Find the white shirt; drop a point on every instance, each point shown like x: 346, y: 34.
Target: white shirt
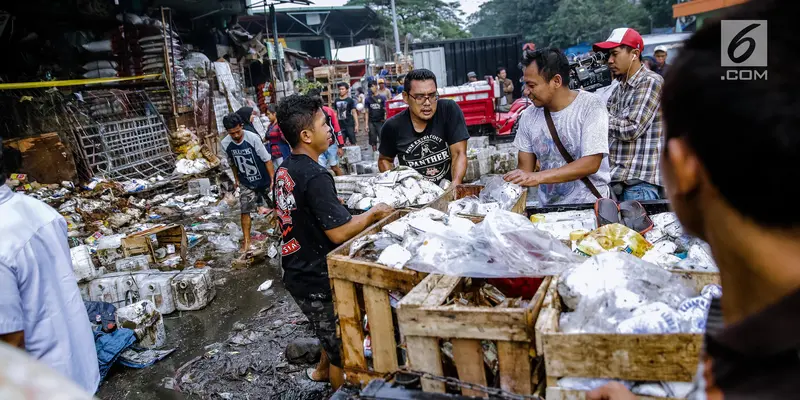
x: 583, y: 130
x: 38, y: 291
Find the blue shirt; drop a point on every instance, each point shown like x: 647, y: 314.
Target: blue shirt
x: 249, y: 157
x: 38, y: 291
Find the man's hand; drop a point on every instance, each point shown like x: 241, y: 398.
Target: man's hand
x: 382, y: 210
x: 611, y: 391
x: 339, y: 151
x: 522, y: 178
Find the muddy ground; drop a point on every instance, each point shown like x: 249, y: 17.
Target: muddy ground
x: 231, y: 349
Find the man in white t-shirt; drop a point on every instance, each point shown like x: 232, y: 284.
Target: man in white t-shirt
x: 581, y: 122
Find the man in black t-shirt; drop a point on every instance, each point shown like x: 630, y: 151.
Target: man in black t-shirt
x: 346, y: 113
x: 376, y: 108
x: 313, y: 222
x: 429, y: 136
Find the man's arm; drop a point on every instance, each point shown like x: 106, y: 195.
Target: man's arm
x: 358, y: 223
x: 387, y: 148
x: 573, y: 171
x: 11, y: 318
x: 355, y: 117
x: 235, y: 174
x: 509, y: 86
x: 458, y: 153
x: 631, y: 123
x: 271, y: 172
x: 526, y: 162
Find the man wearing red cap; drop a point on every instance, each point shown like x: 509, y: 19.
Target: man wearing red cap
x: 634, y: 123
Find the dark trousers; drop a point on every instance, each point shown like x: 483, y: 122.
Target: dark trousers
x: 374, y: 132
x: 349, y: 133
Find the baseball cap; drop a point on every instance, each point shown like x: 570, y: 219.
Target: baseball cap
x: 619, y: 37
x: 381, y: 81
x: 471, y: 73
x: 660, y: 48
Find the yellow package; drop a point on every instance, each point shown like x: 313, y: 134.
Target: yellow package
x: 614, y: 237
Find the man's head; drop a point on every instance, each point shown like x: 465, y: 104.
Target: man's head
x: 472, y: 76
x: 303, y: 123
x: 546, y: 73
x: 315, y: 93
x: 732, y: 147
x: 343, y: 89
x: 660, y: 55
x: 501, y: 73
x: 373, y: 88
x: 382, y: 84
x: 624, y: 48
x: 420, y: 93
x: 233, y: 124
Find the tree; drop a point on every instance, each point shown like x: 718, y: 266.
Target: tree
x: 424, y: 19
x: 500, y: 17
x: 577, y: 21
x: 660, y: 11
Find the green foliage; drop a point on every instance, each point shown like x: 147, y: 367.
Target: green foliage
x: 303, y: 85
x: 661, y: 11
x: 562, y: 23
x: 424, y: 19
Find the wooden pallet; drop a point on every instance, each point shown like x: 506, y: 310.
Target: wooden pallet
x: 352, y: 280
x: 425, y: 320
x: 466, y: 190
x: 648, y: 357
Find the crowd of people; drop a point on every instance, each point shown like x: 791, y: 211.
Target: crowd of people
x: 572, y: 145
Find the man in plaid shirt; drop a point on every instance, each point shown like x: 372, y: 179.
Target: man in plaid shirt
x: 634, y: 123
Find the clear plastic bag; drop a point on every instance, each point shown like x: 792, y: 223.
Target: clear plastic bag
x: 504, y: 245
x: 500, y: 191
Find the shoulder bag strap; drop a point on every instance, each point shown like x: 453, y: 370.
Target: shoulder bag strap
x: 567, y: 157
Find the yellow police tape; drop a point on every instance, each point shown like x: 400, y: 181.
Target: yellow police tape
x: 72, y: 82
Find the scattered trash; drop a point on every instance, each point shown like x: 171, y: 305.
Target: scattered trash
x: 265, y: 286
x: 145, y: 320
x: 193, y: 289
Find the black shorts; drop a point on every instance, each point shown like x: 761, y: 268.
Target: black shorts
x: 318, y: 308
x: 374, y: 132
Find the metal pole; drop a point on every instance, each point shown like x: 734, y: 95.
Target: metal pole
x: 396, y: 34
x: 278, y: 62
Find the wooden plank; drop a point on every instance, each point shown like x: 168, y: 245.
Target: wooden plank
x: 344, y: 248
x: 547, y: 321
x: 515, y: 367
x: 468, y: 357
x: 359, y: 377
x: 367, y: 273
x: 659, y: 357
x: 350, y: 324
x: 698, y: 280
x: 557, y: 393
x: 419, y: 293
x: 424, y: 355
x: 535, y: 307
x: 465, y: 323
x: 443, y: 288
x: 381, y: 325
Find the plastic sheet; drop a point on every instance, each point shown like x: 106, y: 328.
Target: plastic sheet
x: 502, y: 192
x: 504, y: 245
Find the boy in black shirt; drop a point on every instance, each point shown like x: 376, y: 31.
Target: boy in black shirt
x: 429, y: 136
x: 346, y: 113
x: 313, y: 222
x: 376, y: 109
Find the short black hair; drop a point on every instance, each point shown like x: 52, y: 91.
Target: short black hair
x: 313, y: 92
x: 343, y: 84
x: 630, y: 49
x: 500, y: 69
x: 296, y: 113
x: 371, y: 84
x: 418, y: 75
x: 730, y: 122
x: 232, y: 120
x: 550, y: 62
x: 272, y: 108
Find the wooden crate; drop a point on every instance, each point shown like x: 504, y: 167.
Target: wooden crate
x: 139, y: 243
x: 425, y: 320
x: 352, y: 279
x: 647, y: 357
x: 466, y: 190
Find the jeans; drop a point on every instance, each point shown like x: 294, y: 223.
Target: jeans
x: 640, y: 191
x: 349, y: 133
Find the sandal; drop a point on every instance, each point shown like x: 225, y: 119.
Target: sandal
x: 634, y: 216
x: 310, y: 374
x: 606, y: 211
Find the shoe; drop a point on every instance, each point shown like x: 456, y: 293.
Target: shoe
x: 607, y: 212
x: 634, y: 216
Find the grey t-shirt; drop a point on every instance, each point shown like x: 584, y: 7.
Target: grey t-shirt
x: 583, y: 129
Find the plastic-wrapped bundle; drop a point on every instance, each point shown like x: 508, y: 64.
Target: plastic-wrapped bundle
x: 504, y: 245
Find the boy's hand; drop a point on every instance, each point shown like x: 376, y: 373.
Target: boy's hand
x: 382, y: 210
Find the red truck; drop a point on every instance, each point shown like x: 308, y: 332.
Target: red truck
x: 478, y: 106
